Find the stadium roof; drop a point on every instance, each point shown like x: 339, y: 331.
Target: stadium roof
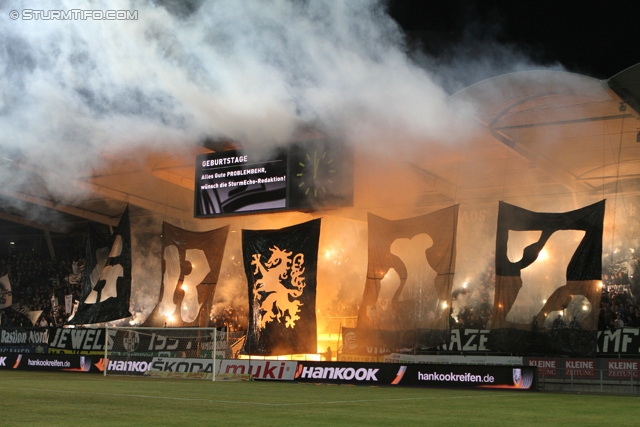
x: 561, y: 133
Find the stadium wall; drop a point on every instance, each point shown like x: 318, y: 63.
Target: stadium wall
x: 622, y: 343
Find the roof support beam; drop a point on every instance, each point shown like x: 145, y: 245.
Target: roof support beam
x: 174, y: 178
x: 52, y: 251
x: 134, y: 200
x: 82, y: 213
x: 440, y: 185
x: 563, y: 177
x: 566, y: 122
x: 22, y: 221
x: 104, y: 192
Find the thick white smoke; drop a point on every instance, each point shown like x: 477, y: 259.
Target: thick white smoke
x: 250, y: 71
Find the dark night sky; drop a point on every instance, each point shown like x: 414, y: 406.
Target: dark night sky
x: 595, y: 38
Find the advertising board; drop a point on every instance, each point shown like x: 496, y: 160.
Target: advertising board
x: 260, y: 369
x: 52, y: 362
x: 620, y: 368
x: 458, y: 376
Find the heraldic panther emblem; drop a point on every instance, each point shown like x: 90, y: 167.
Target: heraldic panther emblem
x: 276, y: 300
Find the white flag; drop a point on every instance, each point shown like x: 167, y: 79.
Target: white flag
x: 34, y: 316
x: 68, y: 303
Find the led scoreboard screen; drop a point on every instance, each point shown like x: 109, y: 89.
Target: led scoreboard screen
x: 302, y: 176
x: 232, y: 182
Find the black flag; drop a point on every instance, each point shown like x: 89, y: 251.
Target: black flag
x: 417, y: 320
x: 191, y: 263
x: 583, y: 279
x: 106, y: 287
x: 281, y: 268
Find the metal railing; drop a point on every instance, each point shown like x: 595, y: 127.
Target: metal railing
x: 604, y: 381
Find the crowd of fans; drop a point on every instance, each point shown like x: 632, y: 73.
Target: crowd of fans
x: 474, y: 302
x: 230, y: 318
x: 472, y: 305
x: 620, y: 300
x: 40, y: 284
x: 342, y: 307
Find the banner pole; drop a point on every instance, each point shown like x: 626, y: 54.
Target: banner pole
x: 106, y: 346
x: 338, y: 343
x: 213, y: 353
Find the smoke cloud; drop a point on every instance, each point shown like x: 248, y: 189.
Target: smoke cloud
x: 244, y: 70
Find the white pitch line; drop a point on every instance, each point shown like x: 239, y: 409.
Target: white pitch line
x: 328, y: 402
x: 334, y: 402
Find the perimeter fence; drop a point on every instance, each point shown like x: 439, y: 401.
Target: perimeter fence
x: 603, y: 381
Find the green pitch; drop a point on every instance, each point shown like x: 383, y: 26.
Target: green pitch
x: 68, y: 399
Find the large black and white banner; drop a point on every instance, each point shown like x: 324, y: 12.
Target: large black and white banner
x: 619, y: 341
x: 520, y: 321
x: 190, y: 270
x: 418, y: 312
x: 124, y: 342
x: 23, y: 340
x: 281, y: 270
x: 79, y: 340
x: 623, y: 341
x: 106, y: 287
